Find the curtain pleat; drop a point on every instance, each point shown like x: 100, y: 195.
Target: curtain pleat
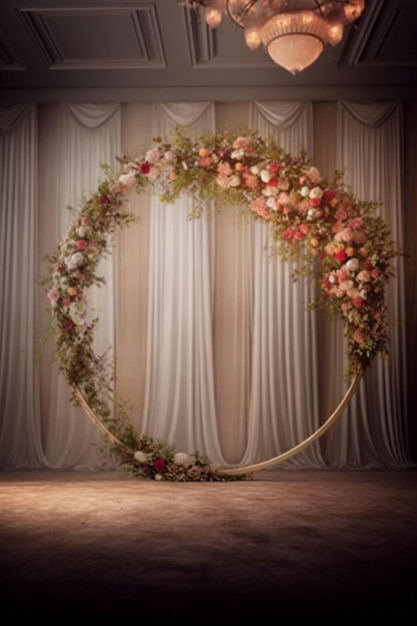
x: 86, y: 136
x: 284, y: 407
x: 374, y: 431
x: 179, y: 395
x: 20, y: 426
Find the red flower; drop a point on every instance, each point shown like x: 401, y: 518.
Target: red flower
x: 329, y: 195
x: 144, y: 167
x: 82, y: 244
x: 274, y: 167
x: 104, y: 199
x: 341, y: 256
x: 68, y: 325
x: 357, y: 302
x: 159, y: 465
x: 315, y: 201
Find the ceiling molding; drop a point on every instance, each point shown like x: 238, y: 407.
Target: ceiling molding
x: 96, y: 38
x: 143, y: 51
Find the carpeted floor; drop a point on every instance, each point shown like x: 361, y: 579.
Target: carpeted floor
x: 289, y: 544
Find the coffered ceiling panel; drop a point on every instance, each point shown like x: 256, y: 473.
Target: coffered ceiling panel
x: 95, y: 38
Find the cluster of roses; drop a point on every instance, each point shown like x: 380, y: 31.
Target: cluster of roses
x: 158, y: 461
x: 291, y: 195
x: 73, y: 271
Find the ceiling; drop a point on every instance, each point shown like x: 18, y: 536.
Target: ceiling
x: 136, y: 51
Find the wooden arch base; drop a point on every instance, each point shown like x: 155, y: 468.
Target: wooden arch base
x: 247, y: 469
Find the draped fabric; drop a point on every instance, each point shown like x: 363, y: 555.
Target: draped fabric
x: 374, y: 429
x: 179, y: 395
x: 219, y: 348
x: 86, y: 136
x: 284, y: 406
x: 20, y: 425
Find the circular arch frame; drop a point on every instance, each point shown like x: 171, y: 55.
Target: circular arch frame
x: 311, y: 219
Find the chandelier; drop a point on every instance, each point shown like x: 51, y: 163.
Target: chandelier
x: 294, y: 32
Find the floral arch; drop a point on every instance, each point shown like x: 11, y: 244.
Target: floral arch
x: 336, y: 239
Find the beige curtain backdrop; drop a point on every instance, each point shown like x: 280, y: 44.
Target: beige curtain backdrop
x: 37, y: 431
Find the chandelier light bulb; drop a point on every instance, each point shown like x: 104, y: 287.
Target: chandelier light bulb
x: 213, y: 16
x: 252, y: 37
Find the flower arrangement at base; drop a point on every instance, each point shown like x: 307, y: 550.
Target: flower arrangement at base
x: 337, y: 240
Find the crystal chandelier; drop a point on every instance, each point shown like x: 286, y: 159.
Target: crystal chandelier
x: 294, y: 32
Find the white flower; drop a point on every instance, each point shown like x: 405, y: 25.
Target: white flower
x: 127, y: 180
x: 158, y: 477
x: 304, y: 191
x: 254, y: 170
x: 316, y: 192
x: 237, y: 154
x: 311, y: 214
x: 77, y: 310
x: 82, y: 231
x: 74, y: 261
x: 266, y: 176
x: 182, y: 458
x: 141, y: 456
x: 168, y: 156
x: 233, y: 181
x: 352, y: 265
x: 153, y: 155
x: 77, y: 319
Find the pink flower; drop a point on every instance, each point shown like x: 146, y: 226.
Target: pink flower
x: 341, y: 214
x: 356, y: 222
x: 258, y: 206
x: 375, y: 272
x: 240, y: 142
x: 82, y: 244
x: 357, y: 302
x: 358, y: 336
x: 346, y: 234
x: 224, y: 168
x: 364, y: 276
x: 205, y: 161
x: 359, y: 237
x: 284, y: 184
x: 251, y: 181
x: 85, y: 221
x: 274, y: 166
x: 313, y: 174
x: 53, y: 294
